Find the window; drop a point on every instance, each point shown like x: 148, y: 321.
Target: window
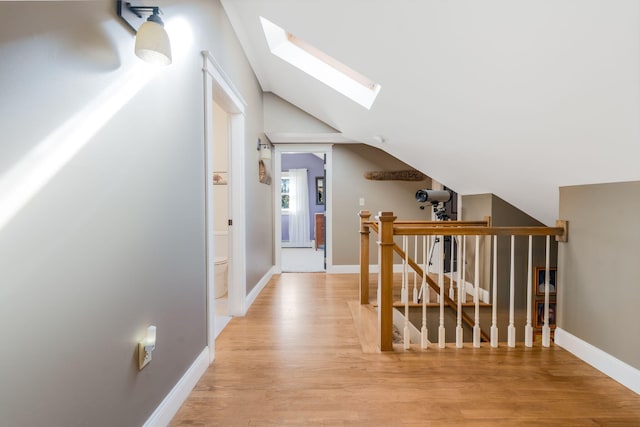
x: 319, y: 65
x: 284, y: 191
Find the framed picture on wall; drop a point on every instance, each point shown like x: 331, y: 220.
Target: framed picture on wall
x: 319, y: 190
x: 540, y: 314
x: 540, y: 282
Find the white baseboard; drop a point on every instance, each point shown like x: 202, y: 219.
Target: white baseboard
x: 297, y: 245
x: 173, y: 401
x: 257, y: 289
x: 343, y: 269
x: 623, y: 373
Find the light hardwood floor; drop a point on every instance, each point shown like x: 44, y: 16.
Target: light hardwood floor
x: 296, y: 360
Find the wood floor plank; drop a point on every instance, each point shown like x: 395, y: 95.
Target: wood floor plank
x: 296, y: 359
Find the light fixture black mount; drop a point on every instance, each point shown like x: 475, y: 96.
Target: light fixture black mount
x: 152, y: 42
x: 133, y: 17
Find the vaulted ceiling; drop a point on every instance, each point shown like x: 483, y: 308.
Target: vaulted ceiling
x: 515, y: 98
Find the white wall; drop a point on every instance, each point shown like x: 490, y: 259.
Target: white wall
x: 281, y: 116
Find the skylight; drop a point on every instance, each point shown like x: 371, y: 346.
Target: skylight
x: 319, y: 65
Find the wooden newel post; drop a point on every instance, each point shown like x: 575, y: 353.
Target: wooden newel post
x: 364, y: 256
x: 385, y: 279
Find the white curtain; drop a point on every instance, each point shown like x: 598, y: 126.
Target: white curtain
x: 298, y: 209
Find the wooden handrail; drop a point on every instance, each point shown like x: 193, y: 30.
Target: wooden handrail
x: 387, y: 226
x: 435, y: 223
x: 478, y: 231
x: 470, y: 228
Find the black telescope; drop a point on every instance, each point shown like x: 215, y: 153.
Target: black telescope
x: 433, y: 196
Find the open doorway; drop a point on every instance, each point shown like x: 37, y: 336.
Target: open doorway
x: 302, y: 216
x: 221, y: 216
x: 229, y: 113
x: 302, y: 210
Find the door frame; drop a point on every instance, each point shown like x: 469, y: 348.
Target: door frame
x: 327, y: 150
x: 218, y: 87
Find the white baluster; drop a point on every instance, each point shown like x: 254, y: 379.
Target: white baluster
x: 424, y: 333
x: 441, y: 331
x: 528, y: 329
x: 415, y: 274
x: 403, y: 292
x: 476, y: 296
x: 546, y: 330
x: 463, y: 265
x: 379, y: 290
x: 459, y: 330
x: 494, y: 308
x: 420, y: 290
x: 427, y: 295
x: 511, y: 339
x: 452, y: 291
x: 407, y: 332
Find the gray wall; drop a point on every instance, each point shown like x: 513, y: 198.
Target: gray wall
x: 598, y: 276
x: 350, y: 162
x: 476, y: 207
x: 114, y: 241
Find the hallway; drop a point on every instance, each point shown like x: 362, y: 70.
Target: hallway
x: 299, y: 260
x: 295, y: 360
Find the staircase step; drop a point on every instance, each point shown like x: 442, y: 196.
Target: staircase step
x: 365, y: 319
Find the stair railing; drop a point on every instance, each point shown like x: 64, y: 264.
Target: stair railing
x: 387, y: 226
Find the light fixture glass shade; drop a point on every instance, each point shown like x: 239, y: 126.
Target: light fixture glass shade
x: 265, y: 152
x: 152, y: 44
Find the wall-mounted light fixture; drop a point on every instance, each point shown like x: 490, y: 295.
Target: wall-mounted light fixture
x: 152, y: 41
x: 146, y: 347
x: 265, y: 149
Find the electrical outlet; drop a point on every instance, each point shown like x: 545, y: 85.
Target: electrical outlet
x: 146, y: 347
x: 144, y: 355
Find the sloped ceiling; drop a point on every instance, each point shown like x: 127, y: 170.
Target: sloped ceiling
x: 515, y: 98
